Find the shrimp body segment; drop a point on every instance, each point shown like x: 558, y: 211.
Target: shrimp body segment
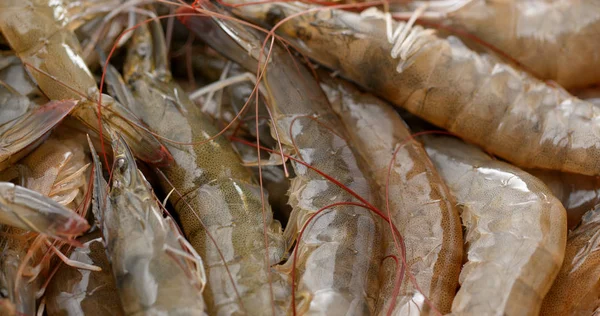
x: 145, y: 249
x: 578, y: 193
x: 338, y: 256
x: 576, y: 290
x: 217, y: 199
x: 555, y: 39
x: 515, y: 231
x: 504, y: 111
x: 421, y: 205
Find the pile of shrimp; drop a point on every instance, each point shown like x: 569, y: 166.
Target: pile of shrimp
x: 234, y: 157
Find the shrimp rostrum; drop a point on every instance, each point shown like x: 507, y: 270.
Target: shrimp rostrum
x: 506, y: 112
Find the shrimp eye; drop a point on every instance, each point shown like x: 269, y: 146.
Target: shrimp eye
x: 143, y: 50
x: 3, y: 293
x: 303, y: 34
x: 121, y: 164
x: 274, y: 15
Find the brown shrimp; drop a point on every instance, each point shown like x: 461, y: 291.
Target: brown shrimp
x: 515, y: 230
x: 576, y: 290
x: 338, y: 255
x: 421, y: 205
x: 508, y: 113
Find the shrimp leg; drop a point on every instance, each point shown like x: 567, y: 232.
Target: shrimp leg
x: 99, y: 291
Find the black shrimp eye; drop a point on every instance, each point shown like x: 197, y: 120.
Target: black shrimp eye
x: 3, y: 293
x: 303, y: 34
x: 274, y: 15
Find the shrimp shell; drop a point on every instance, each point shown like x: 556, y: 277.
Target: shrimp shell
x: 515, y: 231
x: 421, y: 205
x: 506, y: 112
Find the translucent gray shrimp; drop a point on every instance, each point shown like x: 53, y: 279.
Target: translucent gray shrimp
x: 38, y: 32
x: 555, y: 39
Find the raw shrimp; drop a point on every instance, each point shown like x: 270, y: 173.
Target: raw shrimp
x: 555, y: 39
x: 37, y: 33
x: 153, y: 270
x: 578, y: 193
x: 576, y: 290
x: 338, y: 256
x: 515, y: 231
x: 217, y: 199
x: 508, y: 113
x: 75, y: 291
x: 421, y: 206
x: 57, y: 172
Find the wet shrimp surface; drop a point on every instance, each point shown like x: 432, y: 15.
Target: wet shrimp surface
x: 353, y: 157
